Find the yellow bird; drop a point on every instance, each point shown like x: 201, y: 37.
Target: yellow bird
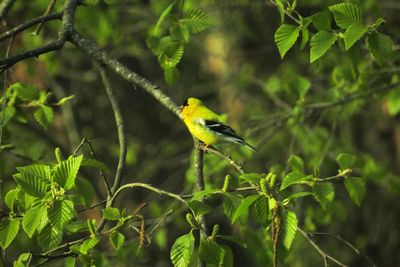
x: 206, y: 126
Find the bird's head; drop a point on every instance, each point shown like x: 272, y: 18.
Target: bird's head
x: 189, y: 105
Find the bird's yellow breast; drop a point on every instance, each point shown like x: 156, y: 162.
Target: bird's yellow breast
x: 201, y: 133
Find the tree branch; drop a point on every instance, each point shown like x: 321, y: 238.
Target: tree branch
x: 5, y: 6
x: 120, y: 127
x: 14, y: 31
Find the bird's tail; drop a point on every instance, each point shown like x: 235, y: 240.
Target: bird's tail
x: 244, y: 143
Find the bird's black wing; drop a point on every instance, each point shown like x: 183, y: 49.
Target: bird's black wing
x: 223, y: 130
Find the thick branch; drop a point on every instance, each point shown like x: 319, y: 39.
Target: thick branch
x: 14, y: 31
x: 90, y: 48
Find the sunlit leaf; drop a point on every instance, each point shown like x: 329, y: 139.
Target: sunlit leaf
x: 182, y: 250
x: 346, y: 14
x: 9, y: 228
x: 353, y: 33
x: 285, y: 37
x: 320, y: 44
x: 356, y: 188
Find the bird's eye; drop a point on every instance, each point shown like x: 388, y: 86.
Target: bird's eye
x: 184, y: 104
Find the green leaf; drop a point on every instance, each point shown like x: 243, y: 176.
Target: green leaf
x: 204, y: 193
x: 320, y: 44
x: 199, y: 208
x: 289, y: 228
x: 356, y: 188
x: 9, y: 113
x: 250, y: 177
x: 76, y: 227
x: 156, y: 30
x: 65, y: 172
x: 244, y: 207
x: 353, y: 33
x: 44, y: 115
x: 117, y: 240
x: 171, y: 76
x: 227, y: 256
x: 97, y: 164
x: 393, y: 102
x: 196, y: 20
x: 346, y: 161
x: 11, y: 196
x: 262, y: 210
x: 35, y: 219
x: 70, y: 262
x: 346, y: 14
x: 281, y: 9
x: 182, y: 250
x: 23, y: 260
x: 321, y: 21
x: 285, y: 37
x: 210, y: 252
x: 25, y: 92
x: 111, y: 214
x: 293, y: 178
x: 85, y: 246
x: 50, y: 237
x: 33, y: 185
x: 323, y: 193
x: 233, y: 239
x: 305, y: 35
x: 64, y: 100
x: 231, y: 203
x: 9, y: 228
x: 296, y: 163
x: 380, y: 45
x: 38, y: 170
x: 61, y: 213
x: 171, y: 55
x: 298, y: 194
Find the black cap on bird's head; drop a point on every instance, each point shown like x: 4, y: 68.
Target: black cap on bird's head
x: 184, y: 104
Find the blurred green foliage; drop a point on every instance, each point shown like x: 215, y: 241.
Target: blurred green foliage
x: 313, y: 85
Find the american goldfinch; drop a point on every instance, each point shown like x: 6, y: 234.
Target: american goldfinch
x: 206, y: 126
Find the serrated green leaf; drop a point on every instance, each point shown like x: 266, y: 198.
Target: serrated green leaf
x: 171, y: 56
x: 95, y: 164
x: 76, y: 227
x: 11, y: 196
x: 65, y: 172
x: 38, y: 170
x: 61, y: 213
x: 25, y: 92
x: 182, y: 250
x: 50, y: 237
x: 353, y: 33
x: 196, y: 20
x: 262, y: 210
x: 9, y: 228
x: 111, y: 214
x: 356, y: 188
x: 199, y: 208
x: 285, y: 37
x: 346, y: 14
x: 293, y: 178
x: 210, y: 252
x: 321, y: 21
x: 31, y: 184
x: 320, y: 44
x: 289, y: 228
x: 35, y: 219
x: 298, y: 194
x: 380, y: 45
x: 296, y: 163
x: 44, y: 115
x: 243, y: 208
x: 86, y: 245
x: 346, y: 161
x: 230, y: 204
x: 323, y: 193
x: 250, y: 177
x: 117, y: 240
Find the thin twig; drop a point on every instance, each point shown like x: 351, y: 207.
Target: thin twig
x: 323, y: 254
x: 238, y: 168
x: 120, y: 127
x: 104, y: 201
x: 14, y: 31
x: 347, y: 243
x: 5, y: 6
x: 3, y: 94
x: 48, y: 9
